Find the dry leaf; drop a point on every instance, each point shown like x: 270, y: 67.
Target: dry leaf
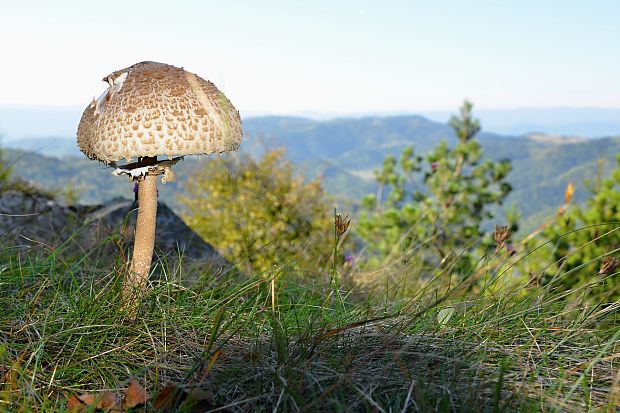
x: 169, y: 398
x: 107, y: 401
x: 75, y: 405
x: 87, y: 398
x: 135, y: 395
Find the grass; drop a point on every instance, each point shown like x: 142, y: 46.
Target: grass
x: 283, y: 342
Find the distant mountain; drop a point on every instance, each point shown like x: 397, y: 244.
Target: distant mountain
x: 52, y: 146
x: 586, y: 122
x: 345, y: 152
x: 20, y: 122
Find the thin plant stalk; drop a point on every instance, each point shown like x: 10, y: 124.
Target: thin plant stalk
x: 334, y: 269
x: 273, y: 294
x: 340, y: 227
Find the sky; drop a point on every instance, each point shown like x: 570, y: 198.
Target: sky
x: 339, y: 57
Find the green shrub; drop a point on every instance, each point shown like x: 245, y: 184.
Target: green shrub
x: 259, y: 211
x: 584, y: 242
x: 430, y: 210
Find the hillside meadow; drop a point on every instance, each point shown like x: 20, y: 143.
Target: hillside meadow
x: 316, y: 313
x: 284, y: 340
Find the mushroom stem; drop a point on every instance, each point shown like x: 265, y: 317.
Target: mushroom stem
x: 144, y: 240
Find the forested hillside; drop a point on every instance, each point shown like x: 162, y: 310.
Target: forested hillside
x: 345, y: 153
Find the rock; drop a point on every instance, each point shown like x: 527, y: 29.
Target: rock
x: 28, y: 215
x: 30, y: 221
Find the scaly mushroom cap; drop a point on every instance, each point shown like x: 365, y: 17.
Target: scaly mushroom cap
x: 154, y: 109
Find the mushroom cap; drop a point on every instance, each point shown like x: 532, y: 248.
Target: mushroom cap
x: 155, y: 109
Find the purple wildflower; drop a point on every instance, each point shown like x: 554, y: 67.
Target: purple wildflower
x: 135, y: 190
x: 511, y: 249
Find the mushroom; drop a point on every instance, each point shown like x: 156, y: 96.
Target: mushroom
x: 153, y: 109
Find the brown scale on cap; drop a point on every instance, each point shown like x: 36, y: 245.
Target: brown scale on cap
x: 154, y: 109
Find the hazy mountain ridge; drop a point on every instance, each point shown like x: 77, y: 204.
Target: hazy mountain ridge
x: 344, y: 152
x: 542, y: 166
x: 19, y: 122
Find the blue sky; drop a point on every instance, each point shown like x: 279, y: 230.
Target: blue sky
x: 342, y: 57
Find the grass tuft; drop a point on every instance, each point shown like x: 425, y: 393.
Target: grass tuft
x: 277, y: 342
